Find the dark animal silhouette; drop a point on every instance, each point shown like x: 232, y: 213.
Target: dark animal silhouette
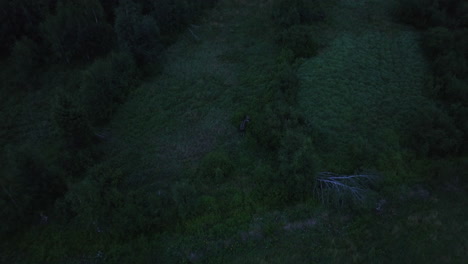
x: 243, y: 124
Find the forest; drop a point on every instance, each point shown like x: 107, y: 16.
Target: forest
x: 233, y: 131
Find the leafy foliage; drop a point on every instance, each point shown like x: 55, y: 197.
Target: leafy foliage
x: 174, y: 15
x: 20, y: 19
x: 28, y: 189
x: 106, y: 83
x: 291, y: 19
x: 299, y: 40
x: 435, y: 134
x: 136, y: 33
x: 297, y: 12
x: 216, y: 166
x: 297, y: 166
x: 25, y: 64
x: 78, y: 31
x: 71, y: 122
x: 430, y: 13
x: 444, y: 42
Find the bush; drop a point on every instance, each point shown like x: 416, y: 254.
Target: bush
x: 414, y: 12
x: 216, y: 165
x: 423, y: 14
x: 184, y: 195
x: 268, y: 125
x: 297, y: 12
x: 266, y: 128
x: 25, y: 61
x: 297, y: 165
x: 437, y: 41
x: 103, y: 203
x: 444, y: 42
x: 20, y: 19
x: 434, y: 133
x: 29, y: 188
x: 72, y: 123
x: 456, y: 90
x: 173, y: 15
x: 78, y: 31
x: 137, y: 33
x: 287, y: 82
x: 299, y: 40
x: 106, y: 83
x: 94, y: 200
x: 450, y: 64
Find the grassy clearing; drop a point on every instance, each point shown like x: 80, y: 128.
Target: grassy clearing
x: 361, y: 91
x: 358, y: 96
x: 186, y: 111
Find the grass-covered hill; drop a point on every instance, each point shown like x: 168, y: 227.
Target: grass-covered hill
x: 121, y: 141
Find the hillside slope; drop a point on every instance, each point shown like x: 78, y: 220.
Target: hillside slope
x: 365, y: 88
x: 183, y: 113
x: 177, y: 182
x: 359, y: 95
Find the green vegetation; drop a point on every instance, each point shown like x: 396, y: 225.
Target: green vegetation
x: 444, y: 40
x: 121, y: 139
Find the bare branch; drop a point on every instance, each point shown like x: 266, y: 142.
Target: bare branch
x: 334, y: 186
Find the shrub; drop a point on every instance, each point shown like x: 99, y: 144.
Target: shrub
x: 444, y: 42
x: 286, y: 56
x: 456, y: 90
x: 25, y: 61
x: 434, y: 134
x: 414, y: 12
x: 207, y: 204
x: 72, y: 123
x: 267, y: 190
x: 137, y: 33
x: 287, y: 82
x: 266, y: 128
x: 450, y: 63
x: 95, y: 200
x: 216, y: 165
x: 297, y: 12
x: 184, y: 195
x: 437, y: 41
x: 78, y: 30
x: 429, y: 13
x: 286, y: 13
x: 297, y: 165
x: 299, y: 40
x: 30, y: 187
x: 20, y: 18
x: 106, y: 83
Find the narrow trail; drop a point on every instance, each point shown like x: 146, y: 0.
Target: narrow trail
x: 359, y: 91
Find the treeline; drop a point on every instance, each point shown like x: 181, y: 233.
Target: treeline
x: 85, y: 57
x: 74, y: 33
x: 442, y: 132
x: 83, y: 30
x: 291, y: 19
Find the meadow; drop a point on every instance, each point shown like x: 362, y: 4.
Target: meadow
x: 355, y: 151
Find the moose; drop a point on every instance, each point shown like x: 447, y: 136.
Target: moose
x: 243, y: 124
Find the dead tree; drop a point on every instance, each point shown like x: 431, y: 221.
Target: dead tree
x: 340, y: 188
